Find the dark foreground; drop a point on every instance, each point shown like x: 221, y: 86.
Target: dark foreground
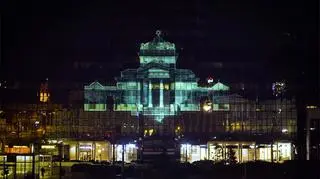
x: 200, y: 170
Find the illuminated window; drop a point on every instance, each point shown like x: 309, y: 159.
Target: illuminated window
x: 44, y: 97
x: 94, y: 107
x: 221, y: 107
x: 155, y: 86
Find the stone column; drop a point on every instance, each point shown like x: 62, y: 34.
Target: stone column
x: 150, y: 95
x: 161, y: 94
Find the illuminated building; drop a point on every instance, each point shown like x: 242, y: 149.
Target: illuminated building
x: 159, y: 100
x: 169, y: 98
x: 44, y: 93
x: 157, y: 88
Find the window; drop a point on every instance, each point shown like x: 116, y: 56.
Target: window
x: 166, y: 86
x: 92, y: 106
x: 221, y: 107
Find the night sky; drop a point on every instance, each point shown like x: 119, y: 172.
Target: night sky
x: 41, y: 39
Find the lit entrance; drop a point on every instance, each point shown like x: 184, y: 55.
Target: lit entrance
x: 85, y: 156
x: 85, y: 152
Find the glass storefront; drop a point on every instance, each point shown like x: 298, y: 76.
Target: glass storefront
x: 191, y: 153
x: 241, y: 151
x: 85, y: 151
x: 101, y: 151
x: 20, y: 164
x: 89, y: 150
x: 130, y: 152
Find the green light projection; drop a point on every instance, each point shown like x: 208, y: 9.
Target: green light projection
x: 157, y: 88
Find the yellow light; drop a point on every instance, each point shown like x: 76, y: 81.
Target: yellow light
x: 16, y: 146
x: 150, y: 132
x: 206, y: 108
x: 48, y: 147
x: 44, y: 97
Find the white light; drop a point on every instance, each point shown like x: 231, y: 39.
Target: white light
x: 284, y: 130
x: 32, y: 148
x: 312, y: 129
x: 131, y: 146
x: 52, y: 141
x: 48, y: 146
x: 183, y: 146
x: 311, y: 107
x: 251, y: 146
x: 85, y: 147
x: 207, y: 107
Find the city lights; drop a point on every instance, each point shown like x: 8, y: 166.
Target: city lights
x: 158, y: 99
x: 311, y: 107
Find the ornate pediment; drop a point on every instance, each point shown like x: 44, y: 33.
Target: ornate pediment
x: 220, y: 87
x: 95, y: 85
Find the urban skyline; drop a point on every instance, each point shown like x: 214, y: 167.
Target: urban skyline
x: 140, y: 88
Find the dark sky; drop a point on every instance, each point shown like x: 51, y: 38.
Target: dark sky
x: 38, y: 37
